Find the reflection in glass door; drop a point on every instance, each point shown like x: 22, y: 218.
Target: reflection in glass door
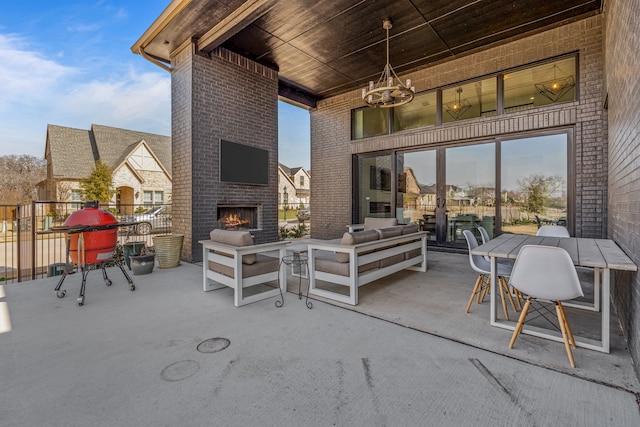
x: 374, y: 187
x: 470, y: 191
x: 417, y: 200
x: 534, y: 183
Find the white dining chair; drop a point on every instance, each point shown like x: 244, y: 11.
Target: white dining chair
x: 553, y: 231
x: 485, y: 238
x: 547, y: 273
x: 483, y: 282
x: 484, y: 234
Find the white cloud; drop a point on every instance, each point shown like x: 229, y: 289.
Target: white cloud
x: 37, y: 90
x: 24, y: 74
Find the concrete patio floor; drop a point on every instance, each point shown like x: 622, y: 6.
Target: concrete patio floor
x: 406, y: 355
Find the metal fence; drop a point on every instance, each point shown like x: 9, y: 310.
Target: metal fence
x: 31, y: 249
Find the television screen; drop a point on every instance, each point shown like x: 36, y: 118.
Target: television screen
x: 243, y: 164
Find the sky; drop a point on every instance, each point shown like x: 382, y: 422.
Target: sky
x: 69, y: 63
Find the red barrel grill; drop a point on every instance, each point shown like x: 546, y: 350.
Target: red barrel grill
x: 98, y: 245
x: 92, y: 236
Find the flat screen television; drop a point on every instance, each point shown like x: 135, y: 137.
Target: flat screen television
x: 243, y: 164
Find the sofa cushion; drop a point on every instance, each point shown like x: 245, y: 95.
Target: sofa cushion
x: 410, y: 228
x: 354, y: 239
x: 264, y: 264
x: 328, y: 265
x: 371, y: 223
x: 235, y: 238
x: 385, y: 233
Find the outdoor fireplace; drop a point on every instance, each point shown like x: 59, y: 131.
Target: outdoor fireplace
x: 237, y: 217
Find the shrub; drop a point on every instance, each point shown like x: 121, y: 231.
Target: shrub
x: 299, y: 231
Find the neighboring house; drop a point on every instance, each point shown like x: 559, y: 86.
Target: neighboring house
x: 293, y: 187
x: 140, y: 163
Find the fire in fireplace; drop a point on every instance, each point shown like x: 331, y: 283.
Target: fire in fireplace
x: 237, y: 217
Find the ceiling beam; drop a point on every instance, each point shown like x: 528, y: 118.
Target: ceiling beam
x: 296, y: 96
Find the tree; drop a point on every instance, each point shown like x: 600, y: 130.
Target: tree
x: 537, y: 190
x: 19, y: 176
x: 99, y: 185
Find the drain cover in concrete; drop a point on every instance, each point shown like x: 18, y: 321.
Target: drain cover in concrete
x: 180, y: 370
x: 213, y: 345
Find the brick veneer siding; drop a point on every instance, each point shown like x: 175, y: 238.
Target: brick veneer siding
x: 332, y: 148
x: 623, y: 68
x: 209, y: 104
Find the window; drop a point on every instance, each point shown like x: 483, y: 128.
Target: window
x: 301, y: 180
x: 476, y: 99
x: 370, y: 122
x: 544, y: 84
x: 151, y: 198
x: 76, y: 196
x: 420, y: 112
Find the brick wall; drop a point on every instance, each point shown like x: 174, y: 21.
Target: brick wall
x: 332, y: 148
x: 623, y: 67
x: 208, y: 105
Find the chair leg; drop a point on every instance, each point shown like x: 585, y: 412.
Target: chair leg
x: 563, y: 327
x: 523, y: 316
x: 486, y: 288
x: 477, y: 289
x: 504, y: 301
x: 566, y: 323
x: 505, y: 285
x: 519, y: 297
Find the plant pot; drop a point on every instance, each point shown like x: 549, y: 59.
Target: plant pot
x: 168, y: 248
x: 142, y: 264
x: 131, y: 249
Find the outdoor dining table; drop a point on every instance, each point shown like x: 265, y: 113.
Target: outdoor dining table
x: 603, y: 255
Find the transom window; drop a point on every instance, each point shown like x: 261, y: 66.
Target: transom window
x: 514, y: 90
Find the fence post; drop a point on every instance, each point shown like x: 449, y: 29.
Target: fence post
x: 18, y: 241
x: 34, y: 235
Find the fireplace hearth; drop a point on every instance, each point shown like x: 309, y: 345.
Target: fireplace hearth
x: 237, y: 217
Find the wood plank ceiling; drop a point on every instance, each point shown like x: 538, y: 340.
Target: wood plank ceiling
x: 324, y: 48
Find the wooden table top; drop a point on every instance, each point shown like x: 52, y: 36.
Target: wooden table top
x: 598, y: 253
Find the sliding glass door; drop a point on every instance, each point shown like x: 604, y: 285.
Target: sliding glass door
x: 503, y: 185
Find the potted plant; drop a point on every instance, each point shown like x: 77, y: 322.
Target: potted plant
x: 143, y: 263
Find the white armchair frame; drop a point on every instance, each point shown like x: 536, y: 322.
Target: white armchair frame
x: 231, y: 256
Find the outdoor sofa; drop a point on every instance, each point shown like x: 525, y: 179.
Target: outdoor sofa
x: 364, y: 256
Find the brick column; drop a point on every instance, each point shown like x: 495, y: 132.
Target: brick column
x: 224, y: 96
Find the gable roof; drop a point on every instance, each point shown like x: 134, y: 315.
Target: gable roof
x: 292, y: 171
x: 73, y: 152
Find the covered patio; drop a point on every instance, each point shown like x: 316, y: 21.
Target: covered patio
x: 320, y: 56
x: 406, y: 351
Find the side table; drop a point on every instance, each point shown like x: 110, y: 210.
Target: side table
x: 299, y: 261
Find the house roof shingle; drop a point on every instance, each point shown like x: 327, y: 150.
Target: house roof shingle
x: 75, y: 151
